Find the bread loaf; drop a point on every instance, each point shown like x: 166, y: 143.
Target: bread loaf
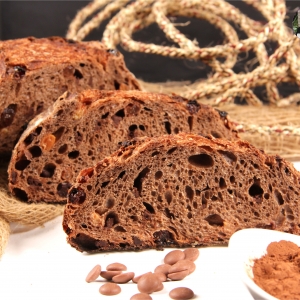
x: 179, y: 191
x: 81, y: 129
x: 35, y: 72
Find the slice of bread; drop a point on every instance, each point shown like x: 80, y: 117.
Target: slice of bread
x: 180, y: 191
x: 35, y: 72
x: 81, y: 129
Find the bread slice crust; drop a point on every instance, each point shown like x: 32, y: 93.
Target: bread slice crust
x: 35, y: 72
x: 180, y: 191
x: 81, y: 129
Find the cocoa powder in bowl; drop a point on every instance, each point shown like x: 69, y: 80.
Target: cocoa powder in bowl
x: 278, y: 272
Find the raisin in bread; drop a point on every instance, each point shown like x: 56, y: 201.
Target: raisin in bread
x: 81, y: 129
x: 180, y: 190
x: 35, y: 72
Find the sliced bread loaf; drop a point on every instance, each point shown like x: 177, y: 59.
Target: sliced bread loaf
x: 180, y: 190
x: 81, y: 129
x: 35, y: 72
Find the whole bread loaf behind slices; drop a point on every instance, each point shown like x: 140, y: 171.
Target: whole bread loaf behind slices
x: 181, y: 190
x: 82, y: 129
x: 35, y: 72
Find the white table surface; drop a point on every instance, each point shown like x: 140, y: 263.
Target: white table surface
x: 39, y: 265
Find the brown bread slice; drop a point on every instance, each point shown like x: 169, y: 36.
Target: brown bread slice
x: 180, y: 190
x: 35, y: 72
x: 81, y: 129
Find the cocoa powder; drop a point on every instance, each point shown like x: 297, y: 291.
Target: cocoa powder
x: 278, y: 272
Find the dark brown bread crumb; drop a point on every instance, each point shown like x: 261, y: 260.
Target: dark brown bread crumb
x: 81, y: 129
x: 181, y: 190
x: 35, y: 72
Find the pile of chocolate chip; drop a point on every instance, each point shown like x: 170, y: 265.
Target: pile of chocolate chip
x: 177, y: 265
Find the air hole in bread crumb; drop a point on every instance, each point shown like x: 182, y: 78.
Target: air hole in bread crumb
x: 189, y: 215
x: 35, y: 151
x: 84, y: 242
x: 214, y: 220
x: 256, y: 192
x: 158, y: 175
x: 202, y: 160
x: 172, y: 150
x: 222, y: 183
x: 155, y: 153
x: 232, y: 179
x: 142, y: 127
x: 134, y: 218
x: 104, y: 184
x: 48, y: 170
x: 119, y: 229
x: 77, y: 74
x: 190, y: 122
x: 168, y: 196
x: 73, y: 154
x: 62, y: 149
x: 22, y: 195
x: 278, y: 197
x: 228, y: 156
x: 111, y: 219
x: 121, y: 174
x: 22, y: 163
x: 168, y: 214
x: 216, y: 134
x: 117, y: 85
x: 110, y: 203
x: 58, y: 133
x: 149, y: 207
x: 105, y: 115
x: 120, y: 113
x: 189, y: 192
x: 140, y: 178
x: 168, y: 127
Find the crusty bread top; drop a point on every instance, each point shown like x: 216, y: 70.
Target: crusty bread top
x: 34, y: 53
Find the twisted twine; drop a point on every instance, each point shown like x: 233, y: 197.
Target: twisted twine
x: 224, y: 85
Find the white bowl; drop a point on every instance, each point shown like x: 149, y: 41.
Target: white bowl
x: 249, y: 244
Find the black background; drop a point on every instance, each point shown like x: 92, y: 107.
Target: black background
x: 47, y: 18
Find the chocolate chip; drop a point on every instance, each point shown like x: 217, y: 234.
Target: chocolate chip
x: 33, y: 181
x: 223, y: 114
x: 113, y: 51
x: 77, y: 196
x: 164, y: 238
x: 181, y: 293
x: 193, y: 106
x: 110, y: 289
x: 93, y: 274
x: 7, y: 116
x: 19, y: 72
x: 137, y: 241
x: 62, y: 189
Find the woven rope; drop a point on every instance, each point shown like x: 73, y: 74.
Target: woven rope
x: 224, y: 85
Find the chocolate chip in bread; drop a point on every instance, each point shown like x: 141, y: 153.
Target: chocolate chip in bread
x: 35, y: 72
x: 81, y: 129
x: 179, y: 191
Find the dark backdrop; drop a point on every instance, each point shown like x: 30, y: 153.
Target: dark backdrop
x: 46, y: 18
